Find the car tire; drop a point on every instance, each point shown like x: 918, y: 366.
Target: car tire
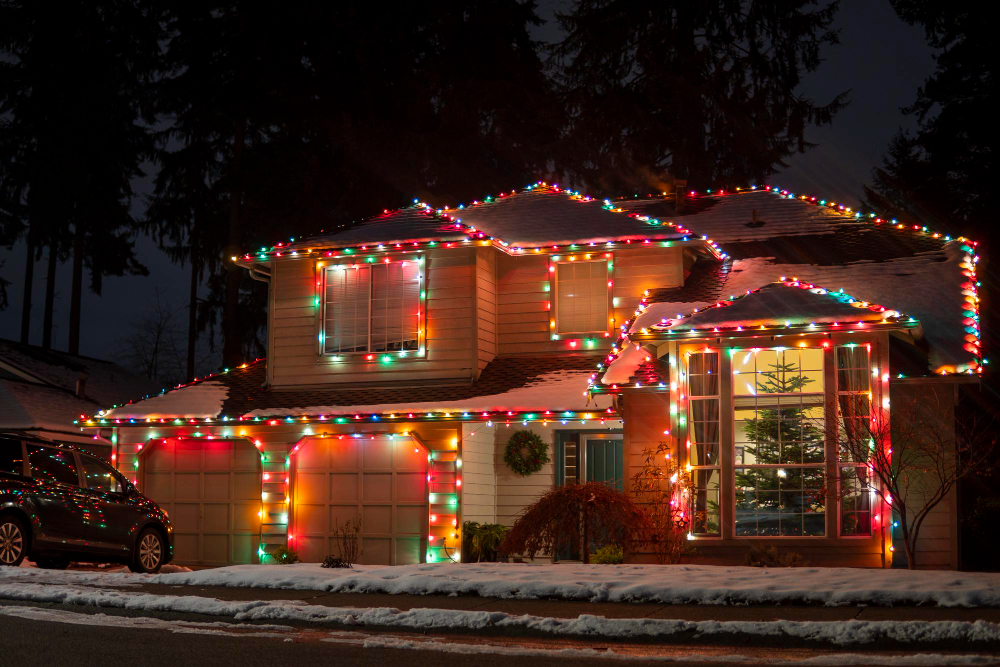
x: 150, y: 550
x: 13, y: 541
x: 52, y: 563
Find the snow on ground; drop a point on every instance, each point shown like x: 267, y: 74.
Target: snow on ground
x: 835, y: 632
x: 671, y: 584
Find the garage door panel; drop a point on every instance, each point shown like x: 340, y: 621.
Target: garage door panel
x: 410, y: 458
x: 410, y: 520
x: 311, y: 549
x: 377, y: 486
x: 187, y: 485
x: 377, y: 519
x: 376, y: 551
x: 218, y: 456
x: 186, y: 516
x: 186, y: 547
x: 377, y: 454
x: 408, y: 550
x: 343, y: 454
x: 215, y: 517
x: 341, y: 514
x: 187, y: 455
x: 312, y: 519
x: 217, y: 486
x: 246, y: 517
x: 215, y: 548
x: 410, y: 487
x: 344, y: 487
x: 246, y: 486
x: 160, y: 458
x: 157, y: 485
x: 245, y: 457
x: 241, y: 546
x: 311, y: 487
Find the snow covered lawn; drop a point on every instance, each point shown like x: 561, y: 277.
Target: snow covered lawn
x: 670, y: 584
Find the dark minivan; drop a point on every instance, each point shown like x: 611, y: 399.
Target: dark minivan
x: 59, y: 504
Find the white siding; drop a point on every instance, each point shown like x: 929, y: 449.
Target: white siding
x: 478, y: 474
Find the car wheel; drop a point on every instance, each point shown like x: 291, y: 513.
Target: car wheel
x: 13, y: 541
x: 149, y: 552
x: 52, y: 563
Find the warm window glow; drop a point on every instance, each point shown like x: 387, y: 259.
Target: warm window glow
x: 372, y: 308
x: 581, y: 297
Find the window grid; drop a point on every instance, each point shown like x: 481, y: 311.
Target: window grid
x: 703, y: 383
x: 779, y: 442
x: 581, y: 297
x: 853, y: 410
x: 373, y: 308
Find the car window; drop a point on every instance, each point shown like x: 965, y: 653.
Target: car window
x: 52, y: 465
x: 100, y: 476
x: 11, y: 460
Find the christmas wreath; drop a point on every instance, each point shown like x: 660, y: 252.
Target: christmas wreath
x: 526, y: 453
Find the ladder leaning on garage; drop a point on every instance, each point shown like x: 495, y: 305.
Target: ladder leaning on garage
x: 273, y: 504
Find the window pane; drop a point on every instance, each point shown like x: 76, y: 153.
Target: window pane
x: 99, y: 476
x: 855, y: 501
x: 10, y: 457
x: 705, y: 518
x: 704, y: 432
x: 395, y: 306
x: 703, y: 374
x: 780, y: 501
x: 581, y: 297
x: 52, y: 465
x: 347, y: 293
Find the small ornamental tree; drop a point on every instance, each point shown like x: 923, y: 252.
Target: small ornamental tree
x: 594, y: 509
x: 915, y: 460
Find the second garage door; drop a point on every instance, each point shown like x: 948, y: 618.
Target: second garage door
x: 211, y: 490
x: 382, y: 481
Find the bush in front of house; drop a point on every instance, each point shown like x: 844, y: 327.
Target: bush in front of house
x: 576, y: 513
x: 761, y: 556
x: 609, y: 554
x: 481, y: 541
x: 285, y: 556
x: 334, y: 561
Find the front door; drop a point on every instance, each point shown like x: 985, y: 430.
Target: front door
x: 604, y: 461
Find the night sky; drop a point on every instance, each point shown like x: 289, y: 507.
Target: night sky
x: 880, y: 59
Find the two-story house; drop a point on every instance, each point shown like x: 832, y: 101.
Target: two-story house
x: 405, y: 351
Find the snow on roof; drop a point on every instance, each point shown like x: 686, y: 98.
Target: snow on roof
x: 521, y: 385
x: 929, y: 276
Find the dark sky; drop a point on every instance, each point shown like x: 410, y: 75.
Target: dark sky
x: 880, y: 59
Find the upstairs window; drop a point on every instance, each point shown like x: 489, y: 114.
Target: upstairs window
x: 372, y: 307
x: 581, y: 297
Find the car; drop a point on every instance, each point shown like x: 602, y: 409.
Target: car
x: 60, y: 504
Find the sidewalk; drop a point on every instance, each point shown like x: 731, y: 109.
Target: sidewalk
x: 572, y: 609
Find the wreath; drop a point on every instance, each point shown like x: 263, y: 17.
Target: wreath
x: 526, y: 453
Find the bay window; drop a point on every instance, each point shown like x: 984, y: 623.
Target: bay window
x: 372, y: 307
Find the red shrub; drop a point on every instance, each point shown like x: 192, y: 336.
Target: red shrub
x: 558, y: 518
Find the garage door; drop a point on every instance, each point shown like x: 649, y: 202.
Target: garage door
x: 383, y: 481
x: 211, y: 489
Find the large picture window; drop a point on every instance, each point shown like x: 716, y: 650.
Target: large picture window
x: 372, y: 307
x: 581, y: 297
x: 778, y: 400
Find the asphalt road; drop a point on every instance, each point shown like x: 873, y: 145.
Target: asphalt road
x: 51, y: 635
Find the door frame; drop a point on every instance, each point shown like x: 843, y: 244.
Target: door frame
x: 564, y: 435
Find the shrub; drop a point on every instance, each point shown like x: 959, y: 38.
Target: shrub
x: 347, y: 538
x: 333, y: 561
x: 609, y: 554
x: 657, y: 487
x: 481, y: 542
x: 556, y: 518
x: 285, y: 556
x: 761, y: 556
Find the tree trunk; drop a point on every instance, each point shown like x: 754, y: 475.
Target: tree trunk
x: 29, y: 280
x: 192, y: 309
x: 231, y: 335
x: 76, y: 292
x: 50, y: 294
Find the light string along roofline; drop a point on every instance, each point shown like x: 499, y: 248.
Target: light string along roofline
x: 970, y: 260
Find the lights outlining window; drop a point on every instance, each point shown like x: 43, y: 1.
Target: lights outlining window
x: 703, y: 383
x: 373, y: 307
x: 854, y: 437
x: 780, y: 444
x: 581, y: 303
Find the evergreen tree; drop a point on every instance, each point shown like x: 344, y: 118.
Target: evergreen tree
x: 701, y: 91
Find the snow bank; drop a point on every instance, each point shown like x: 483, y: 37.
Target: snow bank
x: 834, y: 632
x: 671, y: 584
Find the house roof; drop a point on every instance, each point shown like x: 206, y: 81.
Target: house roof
x: 539, y: 216
x: 927, y: 275
x: 509, y: 387
x: 38, y: 386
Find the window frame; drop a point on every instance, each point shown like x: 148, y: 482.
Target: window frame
x: 554, y: 262
x: 857, y: 465
x: 691, y: 467
x: 322, y: 271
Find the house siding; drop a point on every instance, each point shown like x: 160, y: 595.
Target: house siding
x: 486, y: 307
x: 478, y: 473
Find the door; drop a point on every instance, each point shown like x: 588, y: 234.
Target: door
x: 112, y: 517
x: 60, y: 503
x: 382, y: 481
x: 211, y: 491
x: 604, y: 461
